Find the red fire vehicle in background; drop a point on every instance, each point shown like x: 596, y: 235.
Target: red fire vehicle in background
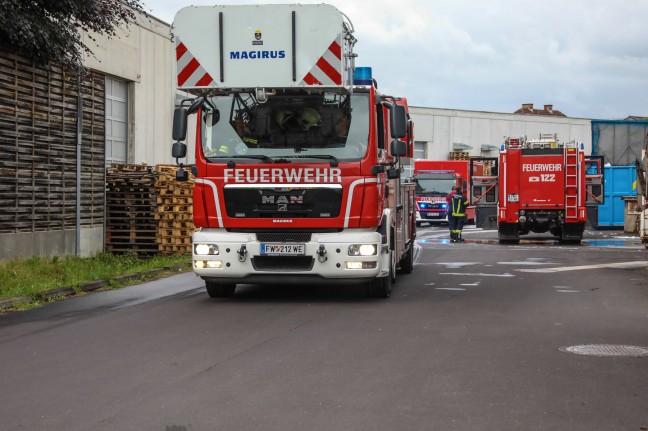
x: 536, y: 185
x: 298, y: 176
x: 434, y: 181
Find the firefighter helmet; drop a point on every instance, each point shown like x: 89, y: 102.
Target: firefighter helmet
x: 282, y: 116
x: 308, y: 118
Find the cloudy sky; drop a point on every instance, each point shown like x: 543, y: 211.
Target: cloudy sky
x: 587, y: 58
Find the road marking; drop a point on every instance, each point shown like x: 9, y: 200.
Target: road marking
x: 456, y: 265
x: 449, y: 288
x: 479, y: 274
x: 623, y: 265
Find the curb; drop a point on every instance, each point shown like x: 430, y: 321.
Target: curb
x: 65, y: 292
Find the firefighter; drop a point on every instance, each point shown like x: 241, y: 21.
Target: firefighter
x: 342, y: 124
x: 457, y: 214
x: 450, y: 195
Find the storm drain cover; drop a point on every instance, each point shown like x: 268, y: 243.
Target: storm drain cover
x: 607, y: 350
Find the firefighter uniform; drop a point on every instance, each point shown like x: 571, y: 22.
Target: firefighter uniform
x: 457, y: 214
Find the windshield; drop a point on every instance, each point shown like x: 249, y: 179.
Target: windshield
x: 439, y: 187
x: 321, y: 125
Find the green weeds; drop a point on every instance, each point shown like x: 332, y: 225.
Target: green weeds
x: 33, y: 276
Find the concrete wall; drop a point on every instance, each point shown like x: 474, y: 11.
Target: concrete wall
x: 51, y: 243
x: 444, y: 129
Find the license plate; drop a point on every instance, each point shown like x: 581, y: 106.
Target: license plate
x: 433, y: 214
x: 283, y: 249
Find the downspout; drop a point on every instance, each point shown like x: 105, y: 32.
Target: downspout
x: 78, y: 165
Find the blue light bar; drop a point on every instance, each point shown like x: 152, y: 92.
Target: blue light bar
x: 362, y: 76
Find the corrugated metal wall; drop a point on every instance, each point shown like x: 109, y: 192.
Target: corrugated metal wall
x: 620, y: 142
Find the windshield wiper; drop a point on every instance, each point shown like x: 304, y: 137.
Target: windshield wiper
x: 333, y: 159
x: 264, y: 159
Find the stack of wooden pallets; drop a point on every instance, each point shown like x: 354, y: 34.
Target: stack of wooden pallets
x: 174, y: 213
x: 458, y: 155
x: 147, y: 210
x: 130, y: 205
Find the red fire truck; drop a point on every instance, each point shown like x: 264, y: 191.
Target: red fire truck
x: 536, y: 185
x: 298, y: 176
x: 434, y: 181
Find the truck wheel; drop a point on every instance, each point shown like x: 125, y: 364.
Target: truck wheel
x: 220, y: 290
x: 508, y: 234
x: 380, y: 287
x: 407, y: 263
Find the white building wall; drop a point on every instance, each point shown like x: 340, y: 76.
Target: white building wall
x: 142, y: 55
x: 446, y: 130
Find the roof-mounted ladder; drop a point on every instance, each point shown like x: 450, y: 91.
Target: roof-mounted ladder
x: 571, y: 183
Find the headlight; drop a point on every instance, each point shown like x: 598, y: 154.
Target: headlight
x: 522, y: 212
x: 362, y: 250
x: 205, y: 249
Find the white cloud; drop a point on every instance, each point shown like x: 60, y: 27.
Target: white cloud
x: 589, y: 58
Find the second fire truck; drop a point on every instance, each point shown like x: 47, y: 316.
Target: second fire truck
x: 536, y: 185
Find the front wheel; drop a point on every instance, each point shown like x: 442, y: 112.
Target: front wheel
x: 220, y: 290
x: 407, y: 263
x: 381, y: 287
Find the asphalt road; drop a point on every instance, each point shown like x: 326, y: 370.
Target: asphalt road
x: 476, y: 338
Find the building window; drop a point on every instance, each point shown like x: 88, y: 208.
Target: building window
x: 116, y: 121
x: 419, y: 150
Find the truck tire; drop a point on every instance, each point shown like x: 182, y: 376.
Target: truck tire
x: 220, y: 290
x: 380, y: 287
x: 508, y: 233
x: 572, y: 234
x: 407, y: 262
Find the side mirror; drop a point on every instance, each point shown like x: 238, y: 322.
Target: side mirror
x: 180, y: 124
x: 398, y: 148
x: 377, y: 169
x: 398, y: 122
x: 179, y: 150
x: 393, y: 174
x: 182, y: 175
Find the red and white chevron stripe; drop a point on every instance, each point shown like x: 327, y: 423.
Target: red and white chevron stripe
x: 190, y: 72
x: 328, y: 68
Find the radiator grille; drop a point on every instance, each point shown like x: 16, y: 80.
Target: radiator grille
x: 284, y: 236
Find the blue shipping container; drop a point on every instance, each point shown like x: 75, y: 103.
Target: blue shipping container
x: 619, y: 181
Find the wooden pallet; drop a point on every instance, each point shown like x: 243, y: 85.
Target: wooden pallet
x: 458, y: 155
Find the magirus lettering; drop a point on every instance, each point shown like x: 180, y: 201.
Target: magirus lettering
x: 253, y: 55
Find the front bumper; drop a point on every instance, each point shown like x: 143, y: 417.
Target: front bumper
x: 325, y: 258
